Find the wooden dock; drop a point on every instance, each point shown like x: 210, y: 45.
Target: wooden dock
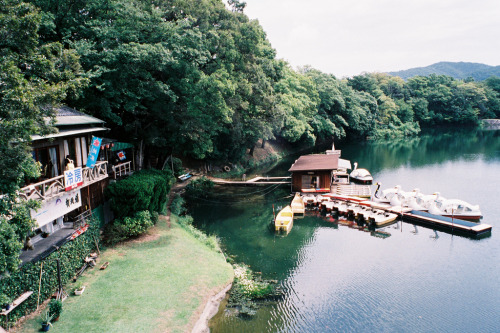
x: 362, y: 191
x: 438, y: 222
x: 447, y: 223
x: 256, y: 181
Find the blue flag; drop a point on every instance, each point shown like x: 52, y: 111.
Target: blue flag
x: 95, y: 146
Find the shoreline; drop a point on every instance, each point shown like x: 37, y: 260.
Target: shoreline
x: 210, y: 310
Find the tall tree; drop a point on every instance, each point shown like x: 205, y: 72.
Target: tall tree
x: 33, y: 79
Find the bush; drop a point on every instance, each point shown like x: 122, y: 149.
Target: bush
x: 178, y: 170
x: 177, y: 205
x: 55, y: 308
x: 71, y: 256
x: 122, y: 229
x: 200, y: 188
x: 144, y: 190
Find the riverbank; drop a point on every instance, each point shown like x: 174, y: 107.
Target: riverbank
x: 160, y: 282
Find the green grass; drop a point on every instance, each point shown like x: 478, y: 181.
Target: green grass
x: 157, y: 285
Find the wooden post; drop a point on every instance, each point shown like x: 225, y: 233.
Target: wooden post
x: 97, y: 245
x: 59, y: 292
x: 39, y: 286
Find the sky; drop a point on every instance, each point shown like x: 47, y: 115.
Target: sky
x: 349, y: 37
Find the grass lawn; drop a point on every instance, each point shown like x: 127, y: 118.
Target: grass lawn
x: 159, y: 283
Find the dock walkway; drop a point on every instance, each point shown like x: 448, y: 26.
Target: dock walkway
x: 443, y: 222
x: 256, y: 181
x: 425, y: 219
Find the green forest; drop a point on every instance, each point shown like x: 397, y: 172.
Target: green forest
x: 198, y: 79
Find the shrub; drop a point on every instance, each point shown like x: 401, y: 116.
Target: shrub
x: 200, y: 188
x: 144, y: 190
x: 177, y: 205
x: 55, y: 308
x: 121, y: 229
x: 71, y: 256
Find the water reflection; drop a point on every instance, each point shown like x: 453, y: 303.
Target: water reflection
x: 339, y: 277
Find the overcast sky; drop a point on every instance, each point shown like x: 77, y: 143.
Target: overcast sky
x: 348, y: 37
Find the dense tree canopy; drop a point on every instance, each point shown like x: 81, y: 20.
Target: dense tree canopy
x: 33, y: 77
x: 195, y: 78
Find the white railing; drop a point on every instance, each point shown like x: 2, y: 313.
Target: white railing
x: 52, y: 187
x: 122, y: 169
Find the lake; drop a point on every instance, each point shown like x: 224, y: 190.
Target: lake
x: 340, y: 279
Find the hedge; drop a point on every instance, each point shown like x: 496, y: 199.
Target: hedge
x: 144, y: 190
x: 27, y: 278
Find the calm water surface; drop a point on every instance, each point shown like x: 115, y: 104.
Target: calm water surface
x: 340, y: 279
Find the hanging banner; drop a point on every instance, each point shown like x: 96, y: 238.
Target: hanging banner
x: 93, y: 151
x: 54, y: 208
x: 73, y: 178
x: 121, y: 155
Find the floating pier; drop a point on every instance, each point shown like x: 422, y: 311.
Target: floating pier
x: 257, y: 181
x: 353, y: 207
x: 447, y: 223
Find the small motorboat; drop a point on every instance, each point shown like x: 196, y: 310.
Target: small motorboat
x: 298, y: 207
x: 185, y: 176
x: 361, y: 176
x: 284, y: 220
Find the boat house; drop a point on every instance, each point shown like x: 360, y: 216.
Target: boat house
x: 317, y: 173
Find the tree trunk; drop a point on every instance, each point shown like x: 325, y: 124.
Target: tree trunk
x: 263, y: 143
x: 251, y: 151
x: 140, y: 155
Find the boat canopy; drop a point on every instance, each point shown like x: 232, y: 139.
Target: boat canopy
x: 344, y: 164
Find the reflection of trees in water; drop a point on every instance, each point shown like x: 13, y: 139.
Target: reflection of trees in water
x: 240, y: 217
x: 429, y: 148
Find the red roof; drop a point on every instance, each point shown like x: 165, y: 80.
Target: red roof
x: 315, y: 162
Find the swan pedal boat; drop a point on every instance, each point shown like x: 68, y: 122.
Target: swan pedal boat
x: 361, y: 176
x: 284, y: 220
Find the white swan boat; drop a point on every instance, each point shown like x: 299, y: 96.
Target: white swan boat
x: 456, y: 208
x: 385, y: 195
x: 361, y: 176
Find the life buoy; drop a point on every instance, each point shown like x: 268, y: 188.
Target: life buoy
x: 227, y: 168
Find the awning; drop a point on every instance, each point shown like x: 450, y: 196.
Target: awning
x: 69, y: 133
x: 344, y: 164
x: 121, y: 145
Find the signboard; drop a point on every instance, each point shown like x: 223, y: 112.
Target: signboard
x: 93, y: 151
x: 55, y: 208
x: 121, y: 155
x: 73, y: 178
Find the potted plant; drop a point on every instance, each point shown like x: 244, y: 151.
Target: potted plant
x: 79, y: 288
x: 46, y: 320
x: 5, y: 301
x: 55, y: 309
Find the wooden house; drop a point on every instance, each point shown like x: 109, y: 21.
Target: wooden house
x: 60, y: 203
x: 318, y: 172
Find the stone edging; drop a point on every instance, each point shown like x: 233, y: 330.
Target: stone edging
x: 210, y: 310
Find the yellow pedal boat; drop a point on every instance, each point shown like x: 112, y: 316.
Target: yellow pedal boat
x: 284, y: 220
x: 298, y: 206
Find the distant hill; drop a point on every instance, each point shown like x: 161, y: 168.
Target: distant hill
x: 457, y: 70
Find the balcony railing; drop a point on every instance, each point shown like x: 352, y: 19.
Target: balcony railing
x: 122, y: 169
x: 52, y: 187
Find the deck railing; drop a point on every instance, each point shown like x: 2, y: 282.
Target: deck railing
x: 52, y: 187
x: 122, y: 169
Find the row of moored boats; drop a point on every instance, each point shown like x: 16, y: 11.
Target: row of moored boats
x: 338, y: 205
x: 379, y: 211
x: 434, y: 203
